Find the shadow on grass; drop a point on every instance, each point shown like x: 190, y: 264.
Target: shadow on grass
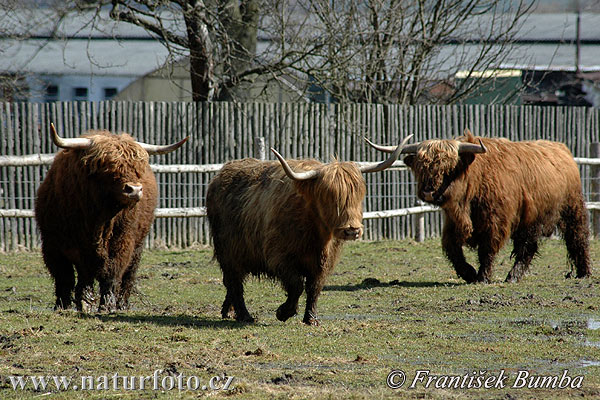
x: 374, y: 283
x: 168, y: 320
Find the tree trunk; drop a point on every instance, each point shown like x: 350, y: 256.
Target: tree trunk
x: 202, y: 63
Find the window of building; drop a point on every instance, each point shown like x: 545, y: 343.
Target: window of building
x: 80, y: 93
x: 51, y: 93
x: 109, y: 92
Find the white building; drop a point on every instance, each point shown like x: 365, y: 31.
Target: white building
x: 86, y: 62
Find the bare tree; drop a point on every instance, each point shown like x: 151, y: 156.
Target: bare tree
x: 217, y: 34
x: 406, y: 51
x: 376, y: 51
x: 221, y: 41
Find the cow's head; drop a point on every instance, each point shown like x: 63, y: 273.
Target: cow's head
x: 437, y: 163
x: 116, y: 162
x: 337, y: 190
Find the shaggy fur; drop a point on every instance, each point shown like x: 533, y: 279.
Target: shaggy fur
x: 86, y: 221
x: 264, y: 223
x: 518, y: 190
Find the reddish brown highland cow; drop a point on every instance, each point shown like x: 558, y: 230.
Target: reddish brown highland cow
x: 494, y: 189
x: 93, y: 210
x: 268, y: 220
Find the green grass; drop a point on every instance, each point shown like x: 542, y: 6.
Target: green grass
x: 389, y: 305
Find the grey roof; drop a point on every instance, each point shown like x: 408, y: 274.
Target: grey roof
x: 41, y: 22
x: 83, y: 57
x: 46, y: 22
x: 523, y: 56
x: 101, y: 47
x: 94, y: 50
x: 560, y: 27
x: 547, y: 27
x: 552, y: 57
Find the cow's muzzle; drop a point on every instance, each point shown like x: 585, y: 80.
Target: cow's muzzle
x: 432, y: 198
x: 133, y: 191
x: 349, y: 233
x: 427, y: 196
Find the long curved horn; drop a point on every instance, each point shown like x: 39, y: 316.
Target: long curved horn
x: 387, y: 163
x: 75, y: 143
x: 471, y: 148
x: 410, y: 149
x: 154, y: 149
x: 297, y: 176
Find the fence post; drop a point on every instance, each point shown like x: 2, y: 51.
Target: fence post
x: 419, y: 224
x: 595, y: 188
x: 259, y: 148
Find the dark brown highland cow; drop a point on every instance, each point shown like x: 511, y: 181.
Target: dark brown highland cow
x: 93, y: 210
x: 494, y: 189
x: 268, y: 220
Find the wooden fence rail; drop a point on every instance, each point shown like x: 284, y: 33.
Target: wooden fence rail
x: 189, y: 212
x: 225, y: 131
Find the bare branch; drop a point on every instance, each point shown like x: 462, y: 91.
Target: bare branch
x: 123, y: 11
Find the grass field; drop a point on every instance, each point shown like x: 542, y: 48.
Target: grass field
x: 393, y: 305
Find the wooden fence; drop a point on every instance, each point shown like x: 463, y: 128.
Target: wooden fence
x: 224, y: 131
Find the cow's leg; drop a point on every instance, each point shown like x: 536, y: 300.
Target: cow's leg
x: 294, y: 285
x: 227, y: 307
x: 63, y: 273
x: 525, y: 248
x: 486, y: 252
x: 235, y: 298
x: 314, y: 285
x: 455, y: 254
x: 575, y: 230
x: 108, y: 298
x: 109, y: 284
x: 84, y: 291
x: 128, y: 279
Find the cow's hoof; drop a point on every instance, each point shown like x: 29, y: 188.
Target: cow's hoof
x: 311, y: 321
x: 585, y: 275
x: 63, y: 303
x: 85, y: 307
x: 60, y: 307
x: 86, y: 303
x: 283, y: 313
x: 471, y: 279
x: 108, y: 302
x: 512, y: 279
x: 227, y: 311
x: 469, y: 276
x: 247, y: 319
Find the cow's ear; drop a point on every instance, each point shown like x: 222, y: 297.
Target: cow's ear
x: 409, y: 160
x: 466, y: 159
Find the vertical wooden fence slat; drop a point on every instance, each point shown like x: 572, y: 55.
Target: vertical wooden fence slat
x: 169, y: 124
x: 595, y: 189
x: 4, y: 138
x: 29, y: 186
x: 12, y: 145
x: 176, y: 123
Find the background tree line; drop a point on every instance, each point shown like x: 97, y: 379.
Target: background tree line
x: 373, y: 51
